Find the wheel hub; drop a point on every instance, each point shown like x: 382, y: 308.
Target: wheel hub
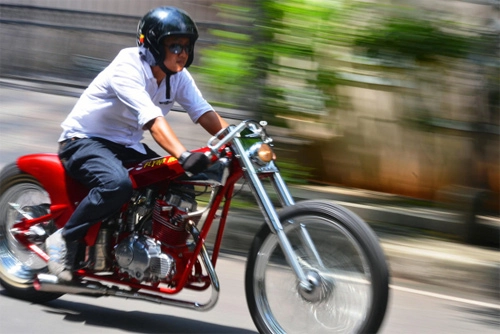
x: 318, y: 289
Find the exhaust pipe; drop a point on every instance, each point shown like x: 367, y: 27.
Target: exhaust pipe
x: 50, y: 283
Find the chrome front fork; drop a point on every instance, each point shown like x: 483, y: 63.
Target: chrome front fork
x: 271, y: 215
x: 287, y: 200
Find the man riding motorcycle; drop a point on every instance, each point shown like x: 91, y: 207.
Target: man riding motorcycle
x: 102, y: 134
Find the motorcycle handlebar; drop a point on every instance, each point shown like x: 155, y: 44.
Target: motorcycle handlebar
x: 216, y: 143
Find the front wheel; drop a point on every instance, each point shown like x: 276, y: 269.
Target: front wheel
x: 343, y: 262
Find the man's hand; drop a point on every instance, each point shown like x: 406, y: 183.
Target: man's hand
x: 194, y: 162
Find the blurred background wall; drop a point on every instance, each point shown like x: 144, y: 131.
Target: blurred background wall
x: 393, y: 96
x: 74, y: 40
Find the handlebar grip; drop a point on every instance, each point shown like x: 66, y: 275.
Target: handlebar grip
x: 231, y: 130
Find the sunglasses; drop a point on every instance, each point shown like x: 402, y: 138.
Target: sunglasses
x: 177, y: 48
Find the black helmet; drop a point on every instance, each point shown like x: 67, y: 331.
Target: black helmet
x: 160, y: 23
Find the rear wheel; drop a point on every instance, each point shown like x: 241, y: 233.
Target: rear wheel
x: 346, y: 270
x: 18, y: 265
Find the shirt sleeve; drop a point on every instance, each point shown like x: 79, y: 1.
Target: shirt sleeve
x: 190, y: 98
x: 130, y: 86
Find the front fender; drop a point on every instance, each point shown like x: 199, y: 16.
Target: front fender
x: 64, y: 192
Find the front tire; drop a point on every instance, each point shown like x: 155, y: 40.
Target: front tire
x: 350, y: 277
x: 18, y: 265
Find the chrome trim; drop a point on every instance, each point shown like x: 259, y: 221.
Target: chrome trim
x: 281, y: 189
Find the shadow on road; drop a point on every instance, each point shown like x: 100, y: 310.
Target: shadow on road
x: 133, y: 321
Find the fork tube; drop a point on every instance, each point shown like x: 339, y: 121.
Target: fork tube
x: 287, y: 200
x: 310, y: 249
x: 270, y: 214
x: 279, y: 185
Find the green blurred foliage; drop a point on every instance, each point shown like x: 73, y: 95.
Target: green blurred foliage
x: 428, y: 45
x: 297, y: 36
x: 415, y: 38
x: 278, y: 64
x: 227, y: 65
x: 294, y: 172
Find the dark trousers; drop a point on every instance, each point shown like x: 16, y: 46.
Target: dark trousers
x: 98, y: 164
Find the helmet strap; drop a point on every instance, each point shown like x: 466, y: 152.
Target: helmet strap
x: 167, y: 79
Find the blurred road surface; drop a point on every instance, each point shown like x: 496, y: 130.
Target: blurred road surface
x: 411, y: 311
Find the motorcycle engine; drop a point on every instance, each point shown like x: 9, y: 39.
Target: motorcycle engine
x: 169, y: 226
x: 141, y: 258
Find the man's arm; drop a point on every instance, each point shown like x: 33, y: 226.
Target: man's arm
x: 163, y: 134
x: 192, y: 162
x: 212, y: 122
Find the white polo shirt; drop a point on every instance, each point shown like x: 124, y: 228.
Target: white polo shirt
x: 124, y: 97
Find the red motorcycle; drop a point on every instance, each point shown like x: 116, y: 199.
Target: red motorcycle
x: 313, y: 266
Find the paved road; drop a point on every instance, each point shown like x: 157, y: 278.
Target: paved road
x: 411, y: 310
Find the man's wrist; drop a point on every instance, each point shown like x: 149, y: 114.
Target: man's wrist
x: 183, y: 157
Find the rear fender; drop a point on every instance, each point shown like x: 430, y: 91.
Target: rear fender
x: 65, y: 193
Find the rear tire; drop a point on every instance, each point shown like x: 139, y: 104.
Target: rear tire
x: 18, y: 265
x: 351, y: 277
